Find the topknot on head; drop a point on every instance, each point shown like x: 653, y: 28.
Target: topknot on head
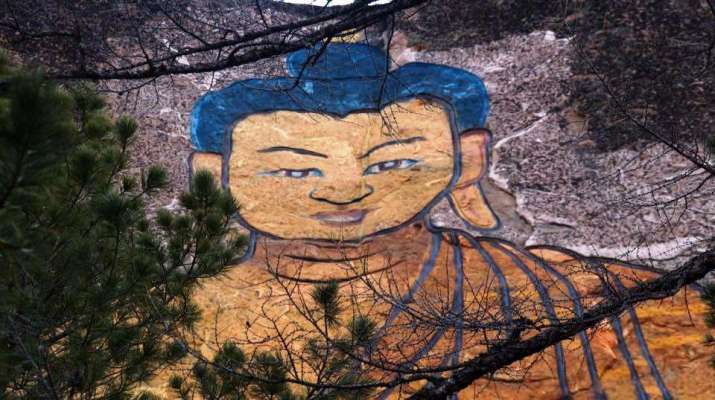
x: 338, y: 79
x: 338, y: 61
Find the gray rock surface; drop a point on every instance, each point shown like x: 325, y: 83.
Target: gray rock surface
x: 627, y: 203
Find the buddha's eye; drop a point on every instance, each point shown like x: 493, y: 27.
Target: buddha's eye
x: 389, y: 165
x: 294, y: 173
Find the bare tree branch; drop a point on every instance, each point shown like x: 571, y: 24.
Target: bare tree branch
x: 501, y: 356
x: 181, y: 40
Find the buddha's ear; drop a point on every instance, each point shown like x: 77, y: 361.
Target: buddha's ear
x: 474, y: 148
x: 212, y: 162
x: 467, y: 199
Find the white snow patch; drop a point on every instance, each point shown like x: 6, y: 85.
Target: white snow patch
x: 654, y: 252
x: 521, y: 132
x: 501, y: 181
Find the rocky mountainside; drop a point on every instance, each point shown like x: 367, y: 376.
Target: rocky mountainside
x: 566, y: 170
x: 567, y: 190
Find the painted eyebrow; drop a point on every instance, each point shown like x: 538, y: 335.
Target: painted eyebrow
x: 292, y: 150
x: 392, y: 143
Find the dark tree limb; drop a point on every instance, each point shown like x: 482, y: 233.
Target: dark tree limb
x: 175, y: 35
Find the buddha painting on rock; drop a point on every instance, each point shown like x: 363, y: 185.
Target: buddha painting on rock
x: 336, y: 168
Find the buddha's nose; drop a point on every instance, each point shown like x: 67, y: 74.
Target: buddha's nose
x: 343, y: 194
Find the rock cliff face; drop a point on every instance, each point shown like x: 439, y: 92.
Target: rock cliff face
x: 549, y: 181
x: 566, y: 190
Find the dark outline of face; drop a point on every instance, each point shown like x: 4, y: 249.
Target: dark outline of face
x: 456, y: 170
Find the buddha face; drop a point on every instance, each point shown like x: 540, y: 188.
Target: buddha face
x: 315, y: 176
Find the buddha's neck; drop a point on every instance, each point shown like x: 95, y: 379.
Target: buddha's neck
x: 338, y: 260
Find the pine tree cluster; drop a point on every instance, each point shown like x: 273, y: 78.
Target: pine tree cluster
x: 95, y: 290
x: 92, y: 290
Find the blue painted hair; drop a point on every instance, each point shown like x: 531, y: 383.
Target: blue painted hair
x: 340, y: 79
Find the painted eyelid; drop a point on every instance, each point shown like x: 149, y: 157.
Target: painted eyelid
x: 410, y: 162
x: 288, y: 172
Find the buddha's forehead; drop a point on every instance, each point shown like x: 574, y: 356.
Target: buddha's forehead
x: 414, y: 117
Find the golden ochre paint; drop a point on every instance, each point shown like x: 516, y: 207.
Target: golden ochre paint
x: 335, y: 174
x: 307, y: 175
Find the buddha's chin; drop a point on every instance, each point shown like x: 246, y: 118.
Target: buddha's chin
x: 354, y: 233
x: 345, y: 226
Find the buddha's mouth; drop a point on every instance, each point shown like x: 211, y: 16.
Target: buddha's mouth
x: 349, y: 217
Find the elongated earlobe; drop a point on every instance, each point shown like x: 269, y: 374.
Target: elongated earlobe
x: 208, y: 161
x: 467, y: 199
x: 474, y: 148
x: 472, y: 207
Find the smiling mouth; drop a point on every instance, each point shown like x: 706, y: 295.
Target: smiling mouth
x: 350, y: 217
